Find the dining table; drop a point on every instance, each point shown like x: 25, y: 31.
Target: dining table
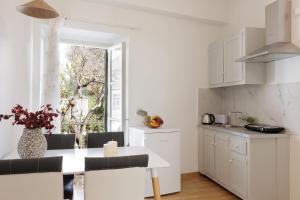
x: 74, y: 161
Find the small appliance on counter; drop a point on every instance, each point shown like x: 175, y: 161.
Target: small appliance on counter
x: 208, y: 118
x: 236, y: 119
x: 221, y: 119
x: 264, y: 128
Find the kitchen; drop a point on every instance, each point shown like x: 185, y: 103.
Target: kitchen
x: 208, y: 68
x: 264, y: 91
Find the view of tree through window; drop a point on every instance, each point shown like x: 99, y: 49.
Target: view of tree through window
x: 82, y: 89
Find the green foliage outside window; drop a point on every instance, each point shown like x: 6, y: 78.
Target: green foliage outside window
x: 82, y: 89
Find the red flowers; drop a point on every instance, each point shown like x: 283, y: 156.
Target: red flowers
x: 40, y: 119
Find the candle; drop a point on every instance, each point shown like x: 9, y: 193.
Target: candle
x: 111, y: 149
x: 108, y: 150
x: 113, y: 143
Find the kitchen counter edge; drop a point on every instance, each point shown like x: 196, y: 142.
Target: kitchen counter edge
x: 242, y: 132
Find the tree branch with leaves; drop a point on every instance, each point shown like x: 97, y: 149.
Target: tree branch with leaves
x: 83, y: 79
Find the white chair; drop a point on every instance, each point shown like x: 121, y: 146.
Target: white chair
x: 31, y: 179
x: 115, y: 178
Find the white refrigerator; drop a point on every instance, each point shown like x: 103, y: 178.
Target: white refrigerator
x: 165, y: 143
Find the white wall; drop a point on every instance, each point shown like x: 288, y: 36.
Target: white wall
x: 246, y: 13
x: 14, y: 66
x: 167, y: 62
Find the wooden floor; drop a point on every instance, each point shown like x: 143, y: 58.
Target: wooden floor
x: 198, y: 187
x: 194, y: 187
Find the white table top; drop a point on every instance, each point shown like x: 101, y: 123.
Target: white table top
x: 74, y: 159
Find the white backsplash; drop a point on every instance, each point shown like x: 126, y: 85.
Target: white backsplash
x: 270, y: 104
x: 209, y: 101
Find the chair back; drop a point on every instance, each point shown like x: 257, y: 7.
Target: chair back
x: 97, y: 140
x: 32, y: 179
x: 60, y: 141
x: 115, y: 178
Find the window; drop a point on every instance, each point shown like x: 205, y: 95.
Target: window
x: 101, y: 79
x: 92, y: 88
x: 82, y: 88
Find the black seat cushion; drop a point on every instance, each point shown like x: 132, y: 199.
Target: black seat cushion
x: 60, y: 141
x: 28, y: 166
x: 92, y: 164
x: 97, y: 140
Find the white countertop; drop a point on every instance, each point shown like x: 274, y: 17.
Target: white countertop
x: 243, y: 132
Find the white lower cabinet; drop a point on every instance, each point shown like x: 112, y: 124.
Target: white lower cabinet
x: 221, y: 158
x: 252, y: 168
x: 238, y: 174
x: 209, y: 153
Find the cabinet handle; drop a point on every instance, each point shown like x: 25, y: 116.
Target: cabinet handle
x: 230, y: 161
x: 212, y: 144
x: 215, y: 144
x: 236, y: 146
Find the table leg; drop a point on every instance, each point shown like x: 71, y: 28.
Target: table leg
x: 155, y: 184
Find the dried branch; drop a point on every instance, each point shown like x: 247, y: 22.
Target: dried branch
x: 89, y: 82
x: 100, y: 99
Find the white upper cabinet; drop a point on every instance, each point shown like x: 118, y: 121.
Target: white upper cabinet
x: 296, y: 22
x: 224, y: 70
x: 233, y: 49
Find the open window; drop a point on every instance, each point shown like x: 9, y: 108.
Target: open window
x: 82, y: 88
x: 110, y: 53
x: 92, y: 100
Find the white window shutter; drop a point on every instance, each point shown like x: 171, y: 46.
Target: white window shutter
x: 116, y: 87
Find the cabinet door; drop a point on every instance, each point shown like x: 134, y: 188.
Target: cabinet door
x: 216, y: 63
x: 238, y: 174
x: 233, y: 49
x: 209, y: 153
x: 296, y: 22
x: 222, y: 158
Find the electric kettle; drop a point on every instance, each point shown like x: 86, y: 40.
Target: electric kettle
x: 208, y: 118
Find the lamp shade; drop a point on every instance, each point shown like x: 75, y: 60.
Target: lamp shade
x: 38, y: 9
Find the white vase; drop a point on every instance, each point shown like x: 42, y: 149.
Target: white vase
x: 32, y: 144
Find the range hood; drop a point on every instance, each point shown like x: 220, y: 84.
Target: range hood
x: 278, y: 35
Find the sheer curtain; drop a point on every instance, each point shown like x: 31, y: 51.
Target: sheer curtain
x: 50, y: 93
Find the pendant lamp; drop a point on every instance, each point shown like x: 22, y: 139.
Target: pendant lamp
x: 38, y: 9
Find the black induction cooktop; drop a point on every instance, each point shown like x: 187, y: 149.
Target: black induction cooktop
x: 263, y: 128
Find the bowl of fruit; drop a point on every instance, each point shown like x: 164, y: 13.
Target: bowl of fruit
x: 150, y: 121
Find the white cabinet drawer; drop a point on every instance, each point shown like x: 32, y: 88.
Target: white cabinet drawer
x: 238, y: 145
